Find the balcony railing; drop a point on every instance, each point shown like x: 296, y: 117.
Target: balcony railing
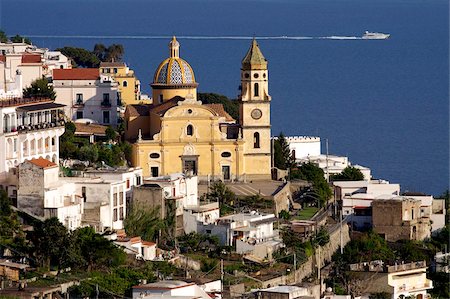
x: 9, y: 129
x: 41, y: 126
x: 10, y: 102
x: 106, y: 103
x: 78, y: 104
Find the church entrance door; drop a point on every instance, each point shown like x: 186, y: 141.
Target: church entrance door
x: 226, y: 172
x: 190, y: 164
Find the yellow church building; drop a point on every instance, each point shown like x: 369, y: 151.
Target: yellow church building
x: 177, y: 133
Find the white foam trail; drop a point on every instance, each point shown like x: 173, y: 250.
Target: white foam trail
x: 283, y: 37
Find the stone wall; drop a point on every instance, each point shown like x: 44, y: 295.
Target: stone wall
x: 30, y: 194
x: 325, y: 255
x: 310, y: 265
x: 282, y: 198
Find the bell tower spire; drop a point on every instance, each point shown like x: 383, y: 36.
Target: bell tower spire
x: 254, y: 113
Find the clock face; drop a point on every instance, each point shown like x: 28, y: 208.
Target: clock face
x: 256, y: 114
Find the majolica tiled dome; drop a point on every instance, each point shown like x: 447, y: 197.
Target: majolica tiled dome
x: 174, y: 70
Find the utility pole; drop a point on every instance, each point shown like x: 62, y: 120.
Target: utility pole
x: 328, y: 176
x: 340, y: 233
x: 295, y: 267
x: 221, y: 278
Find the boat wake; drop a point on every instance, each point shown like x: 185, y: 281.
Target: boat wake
x: 198, y: 37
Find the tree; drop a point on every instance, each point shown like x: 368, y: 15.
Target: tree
x: 19, y: 39
x: 39, y: 88
x: 110, y: 133
x: 369, y: 247
x: 3, y: 37
x: 114, y: 53
x: 99, y: 51
x: 381, y: 295
x: 221, y: 193
x: 80, y: 57
x: 67, y: 147
x: 230, y: 106
x: 11, y: 234
x: 51, y: 243
x: 349, y: 173
x: 88, y: 153
x: 282, y: 153
x: 94, y: 251
x: 144, y: 222
x: 312, y: 173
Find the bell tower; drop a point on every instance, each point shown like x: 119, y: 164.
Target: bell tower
x: 254, y: 114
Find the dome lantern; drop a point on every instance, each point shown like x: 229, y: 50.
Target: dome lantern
x: 174, y: 47
x: 174, y: 71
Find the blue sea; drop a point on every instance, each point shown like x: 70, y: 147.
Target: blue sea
x: 383, y: 103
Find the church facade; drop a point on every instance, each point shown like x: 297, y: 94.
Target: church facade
x: 178, y: 133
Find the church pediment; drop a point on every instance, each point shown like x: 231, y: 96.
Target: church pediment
x: 195, y: 111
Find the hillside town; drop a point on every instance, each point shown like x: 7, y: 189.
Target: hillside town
x: 107, y: 192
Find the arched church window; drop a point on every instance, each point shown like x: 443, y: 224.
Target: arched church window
x: 190, y: 130
x: 256, y: 140
x: 256, y: 90
x: 125, y: 83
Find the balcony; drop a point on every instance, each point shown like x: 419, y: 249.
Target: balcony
x: 106, y: 104
x: 41, y: 126
x: 9, y: 129
x: 417, y: 287
x: 78, y: 104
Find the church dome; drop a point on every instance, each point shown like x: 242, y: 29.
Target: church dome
x: 174, y: 70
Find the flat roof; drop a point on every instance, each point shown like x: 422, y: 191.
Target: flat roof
x: 263, y: 188
x: 37, y: 107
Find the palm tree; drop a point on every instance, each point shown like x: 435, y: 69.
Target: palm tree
x: 114, y: 53
x: 99, y: 51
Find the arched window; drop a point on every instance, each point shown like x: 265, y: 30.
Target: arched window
x: 190, y: 130
x: 256, y: 90
x: 256, y: 140
x: 125, y: 84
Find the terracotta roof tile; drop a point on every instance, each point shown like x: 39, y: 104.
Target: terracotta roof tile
x: 218, y: 108
x: 147, y: 243
x: 138, y: 109
x: 161, y: 108
x: 31, y: 58
x: 94, y: 129
x: 76, y: 74
x: 43, y: 163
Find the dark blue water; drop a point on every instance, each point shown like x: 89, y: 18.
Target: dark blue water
x: 382, y: 103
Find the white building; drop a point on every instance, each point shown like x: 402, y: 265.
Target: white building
x: 87, y: 95
x: 177, y: 289
x: 357, y: 197
x: 130, y: 176
x: 252, y: 233
x: 76, y: 201
x: 104, y: 201
x: 178, y: 186
x: 21, y: 64
x: 29, y: 129
x: 136, y: 246
x: 195, y: 218
x: 398, y: 280
x: 41, y: 194
x: 284, y: 291
x: 331, y: 164
x: 303, y: 146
